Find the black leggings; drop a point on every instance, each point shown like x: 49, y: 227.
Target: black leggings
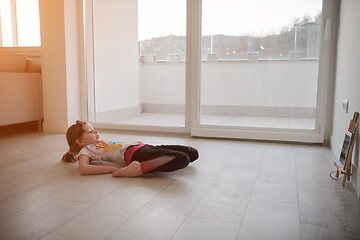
x: 178, y: 157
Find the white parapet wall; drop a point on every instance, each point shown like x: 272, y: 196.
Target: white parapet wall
x: 283, y: 88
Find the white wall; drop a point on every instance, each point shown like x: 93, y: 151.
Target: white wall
x: 60, y: 63
x: 274, y: 84
x: 347, y: 83
x: 116, y: 55
x: 53, y: 65
x: 74, y: 60
x: 162, y: 83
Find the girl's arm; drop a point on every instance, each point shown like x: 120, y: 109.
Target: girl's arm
x: 86, y: 169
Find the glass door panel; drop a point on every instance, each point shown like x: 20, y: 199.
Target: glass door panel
x: 138, y: 63
x: 259, y: 64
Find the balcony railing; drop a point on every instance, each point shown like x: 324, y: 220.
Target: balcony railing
x: 234, y: 87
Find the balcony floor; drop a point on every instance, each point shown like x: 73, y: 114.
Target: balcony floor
x: 178, y: 120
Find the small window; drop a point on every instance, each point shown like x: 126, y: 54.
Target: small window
x: 19, y: 23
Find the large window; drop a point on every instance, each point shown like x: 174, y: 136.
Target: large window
x: 260, y: 63
x: 19, y: 23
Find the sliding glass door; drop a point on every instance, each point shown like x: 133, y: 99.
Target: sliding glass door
x: 233, y: 68
x: 259, y: 69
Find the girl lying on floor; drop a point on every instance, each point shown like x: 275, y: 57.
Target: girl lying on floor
x: 122, y: 159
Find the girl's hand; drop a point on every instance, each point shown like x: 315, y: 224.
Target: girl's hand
x: 132, y: 170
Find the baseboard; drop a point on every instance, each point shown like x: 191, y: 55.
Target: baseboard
x: 33, y: 126
x: 163, y: 108
x: 257, y: 111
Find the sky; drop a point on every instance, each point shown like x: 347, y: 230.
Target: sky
x: 230, y: 17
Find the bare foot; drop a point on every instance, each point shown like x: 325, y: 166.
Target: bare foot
x: 132, y: 170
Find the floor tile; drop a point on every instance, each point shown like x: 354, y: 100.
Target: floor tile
x: 279, y: 151
x: 329, y: 213
x: 270, y: 220
x: 275, y: 191
x: 19, y: 204
x: 246, y: 160
x: 277, y: 170
x: 40, y: 221
x: 154, y: 221
x: 21, y: 183
x: 199, y: 228
x: 221, y: 208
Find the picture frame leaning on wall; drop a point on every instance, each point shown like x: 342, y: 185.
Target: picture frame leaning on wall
x: 347, y: 149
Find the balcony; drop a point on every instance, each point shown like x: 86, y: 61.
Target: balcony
x: 243, y: 93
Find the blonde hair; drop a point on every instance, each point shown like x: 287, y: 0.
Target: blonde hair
x: 73, y: 133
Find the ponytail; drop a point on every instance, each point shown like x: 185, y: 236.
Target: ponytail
x: 73, y: 133
x: 68, y: 157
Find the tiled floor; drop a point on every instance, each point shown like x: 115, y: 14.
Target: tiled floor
x: 235, y: 190
x: 178, y: 120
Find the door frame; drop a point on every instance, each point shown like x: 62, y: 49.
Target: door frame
x: 325, y: 76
